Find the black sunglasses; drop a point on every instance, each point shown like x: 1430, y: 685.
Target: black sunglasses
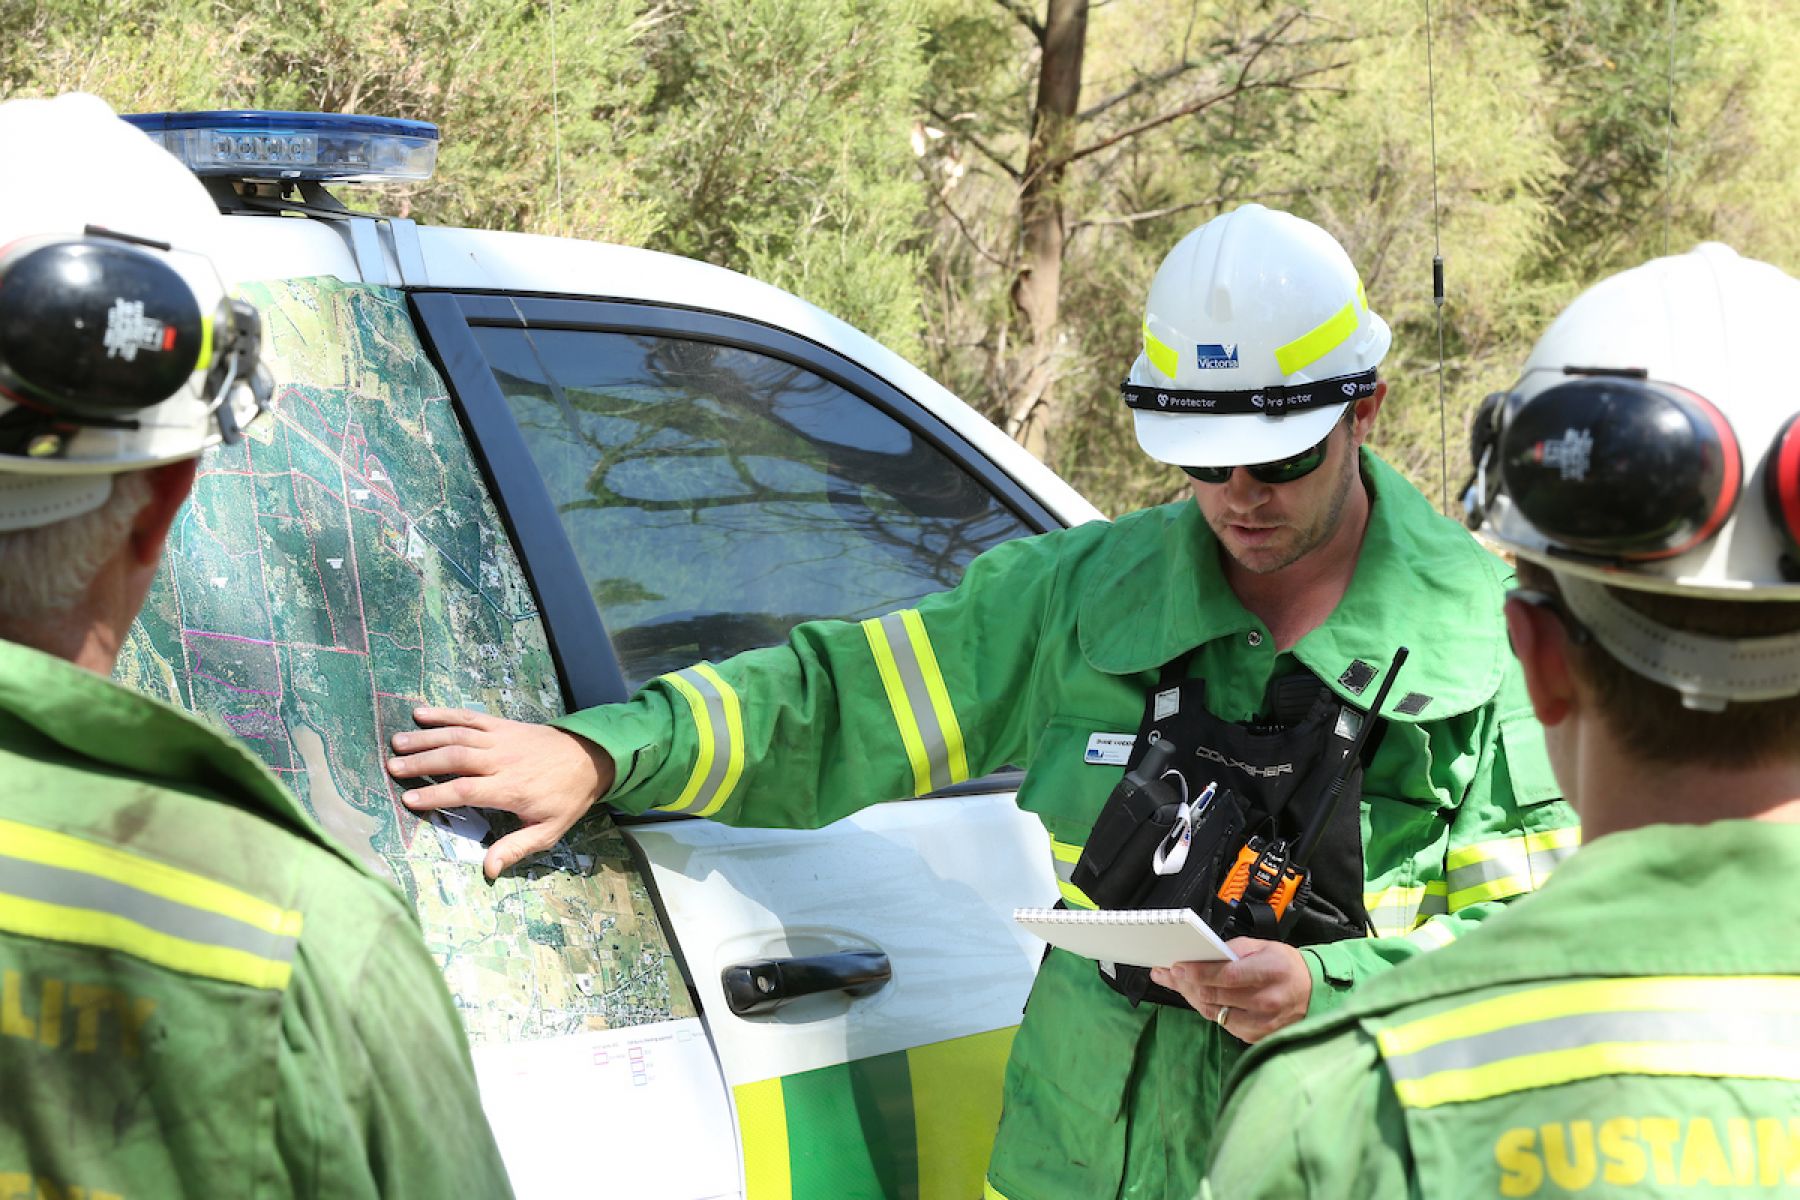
x: 1282, y: 470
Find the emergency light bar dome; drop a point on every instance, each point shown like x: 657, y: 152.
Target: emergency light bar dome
x: 260, y: 144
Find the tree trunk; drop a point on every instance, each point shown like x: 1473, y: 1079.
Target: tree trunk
x: 1031, y: 412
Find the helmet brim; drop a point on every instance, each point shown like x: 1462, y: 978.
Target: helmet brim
x: 1190, y: 440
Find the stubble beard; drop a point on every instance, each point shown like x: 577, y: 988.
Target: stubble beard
x: 1305, y: 540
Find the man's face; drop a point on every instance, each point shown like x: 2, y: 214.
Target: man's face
x: 1268, y: 526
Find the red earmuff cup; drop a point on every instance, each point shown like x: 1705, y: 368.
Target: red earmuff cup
x: 1784, y: 482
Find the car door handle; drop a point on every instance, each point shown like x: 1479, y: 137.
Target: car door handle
x: 768, y: 983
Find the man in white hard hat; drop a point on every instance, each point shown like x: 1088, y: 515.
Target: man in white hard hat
x: 1250, y: 629
x: 200, y: 993
x: 1632, y: 1029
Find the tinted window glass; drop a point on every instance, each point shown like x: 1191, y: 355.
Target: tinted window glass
x: 716, y: 497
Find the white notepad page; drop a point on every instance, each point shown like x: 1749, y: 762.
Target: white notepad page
x: 1142, y: 937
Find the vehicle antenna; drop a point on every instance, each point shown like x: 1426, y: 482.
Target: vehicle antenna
x: 1437, y: 269
x: 556, y: 122
x: 1669, y: 139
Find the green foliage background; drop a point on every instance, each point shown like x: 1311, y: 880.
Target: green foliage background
x: 866, y: 153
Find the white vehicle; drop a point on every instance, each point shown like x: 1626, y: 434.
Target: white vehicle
x: 527, y: 474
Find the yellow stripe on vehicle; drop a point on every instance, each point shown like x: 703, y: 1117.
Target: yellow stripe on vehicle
x: 1162, y: 356
x: 956, y: 1086
x: 1320, y: 340
x: 763, y: 1133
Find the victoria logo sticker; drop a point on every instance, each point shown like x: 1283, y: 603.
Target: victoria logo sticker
x: 1216, y: 357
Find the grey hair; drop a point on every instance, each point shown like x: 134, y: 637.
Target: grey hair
x: 46, y: 570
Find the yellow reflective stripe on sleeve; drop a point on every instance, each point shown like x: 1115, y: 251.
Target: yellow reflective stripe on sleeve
x: 955, y: 759
x: 719, y: 740
x: 896, y: 697
x: 61, y: 888
x: 763, y: 1130
x: 1397, y: 911
x: 1162, y: 356
x: 1505, y: 867
x: 1322, y: 338
x: 920, y: 701
x: 990, y: 1192
x: 1066, y: 855
x: 1704, y: 1026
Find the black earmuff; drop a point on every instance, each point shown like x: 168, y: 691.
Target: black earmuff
x: 93, y: 330
x: 1613, y: 466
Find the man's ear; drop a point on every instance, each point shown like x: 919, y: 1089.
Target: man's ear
x: 169, y: 488
x: 1541, y: 644
x: 1365, y: 410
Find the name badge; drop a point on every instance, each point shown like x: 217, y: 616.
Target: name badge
x: 1109, y: 749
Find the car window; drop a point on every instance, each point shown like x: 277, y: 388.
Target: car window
x: 716, y: 496
x: 343, y: 563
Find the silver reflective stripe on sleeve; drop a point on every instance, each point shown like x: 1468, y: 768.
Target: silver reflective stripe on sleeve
x: 1494, y: 870
x: 1066, y: 855
x: 1745, y: 1027
x: 719, y: 738
x: 919, y: 698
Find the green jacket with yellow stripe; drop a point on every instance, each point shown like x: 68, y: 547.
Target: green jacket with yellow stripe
x: 1631, y: 1030
x: 1050, y: 640
x: 200, y: 995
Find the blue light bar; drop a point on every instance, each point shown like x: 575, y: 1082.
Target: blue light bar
x: 253, y: 144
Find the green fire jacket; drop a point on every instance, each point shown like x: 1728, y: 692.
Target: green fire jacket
x: 1630, y: 1031
x: 1050, y: 640
x: 200, y: 995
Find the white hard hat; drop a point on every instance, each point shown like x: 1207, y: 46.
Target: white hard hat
x: 1257, y: 334
x: 1652, y: 443
x: 119, y: 347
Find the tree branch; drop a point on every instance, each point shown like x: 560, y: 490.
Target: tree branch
x: 962, y: 228
x: 986, y: 151
x: 1143, y: 85
x: 1024, y: 16
x: 1171, y: 210
x: 1186, y: 110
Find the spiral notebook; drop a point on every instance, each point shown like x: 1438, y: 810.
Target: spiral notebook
x: 1141, y: 937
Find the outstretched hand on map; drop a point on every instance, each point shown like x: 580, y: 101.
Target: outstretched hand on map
x: 542, y: 775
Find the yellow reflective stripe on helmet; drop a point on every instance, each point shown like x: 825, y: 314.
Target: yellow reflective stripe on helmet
x: 919, y: 699
x: 1162, y: 356
x: 1505, y: 867
x: 1706, y: 1026
x: 66, y: 889
x: 206, y: 341
x: 719, y: 734
x: 1323, y: 338
x: 1066, y: 855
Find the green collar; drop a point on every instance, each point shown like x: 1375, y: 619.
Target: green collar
x: 119, y: 729
x: 1421, y: 581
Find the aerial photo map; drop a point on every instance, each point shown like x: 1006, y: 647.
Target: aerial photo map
x: 343, y: 564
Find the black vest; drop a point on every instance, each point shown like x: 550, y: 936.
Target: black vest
x: 1269, y: 778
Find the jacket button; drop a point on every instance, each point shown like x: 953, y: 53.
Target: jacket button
x: 1255, y: 638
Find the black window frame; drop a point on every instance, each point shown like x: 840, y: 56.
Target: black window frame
x: 587, y: 666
